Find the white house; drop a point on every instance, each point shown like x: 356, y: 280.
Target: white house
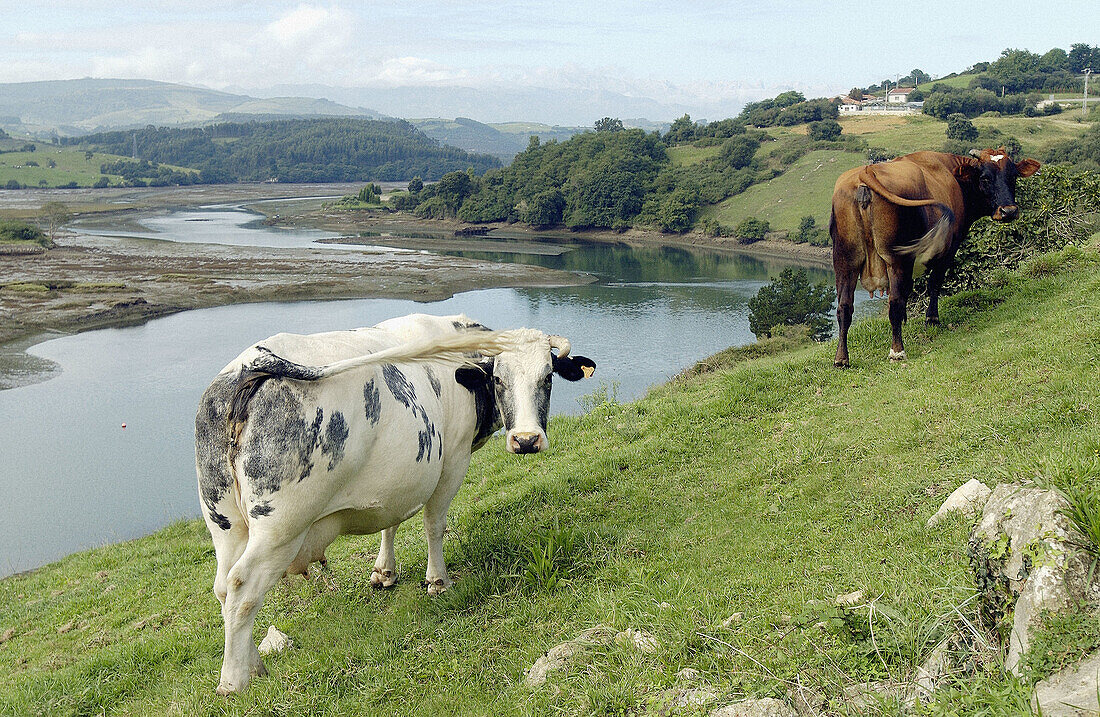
x: 898, y: 95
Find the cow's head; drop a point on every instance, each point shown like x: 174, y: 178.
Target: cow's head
x: 518, y: 383
x: 993, y: 174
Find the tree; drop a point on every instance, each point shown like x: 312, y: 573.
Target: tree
x: 55, y: 215
x: 608, y: 124
x: 1081, y: 56
x: 677, y: 211
x: 417, y: 184
x: 738, y: 151
x: 855, y: 93
x: 101, y: 183
x: 681, y: 130
x: 825, y: 130
x: 960, y: 128
x: 791, y: 300
x: 545, y: 209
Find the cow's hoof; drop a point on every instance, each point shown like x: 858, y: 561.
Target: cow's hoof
x: 840, y: 363
x: 438, y: 586
x: 932, y: 320
x: 896, y: 355
x: 382, y: 578
x: 225, y: 689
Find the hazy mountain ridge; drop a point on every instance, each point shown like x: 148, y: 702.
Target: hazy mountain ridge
x: 75, y: 107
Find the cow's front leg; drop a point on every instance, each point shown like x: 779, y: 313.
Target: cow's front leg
x: 384, y: 574
x: 435, y: 522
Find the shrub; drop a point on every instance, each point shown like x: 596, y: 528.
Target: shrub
x: 791, y: 300
x: 19, y: 231
x: 960, y: 128
x: 825, y: 130
x: 751, y: 230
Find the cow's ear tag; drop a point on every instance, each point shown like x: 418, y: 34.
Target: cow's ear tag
x: 588, y: 371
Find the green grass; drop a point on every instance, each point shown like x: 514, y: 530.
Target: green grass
x: 957, y: 81
x: 683, y: 155
x: 766, y: 487
x: 804, y: 189
x: 72, y: 166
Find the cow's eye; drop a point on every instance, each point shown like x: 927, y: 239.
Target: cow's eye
x: 497, y: 381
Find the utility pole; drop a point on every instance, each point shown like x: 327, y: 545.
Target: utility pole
x: 1085, y: 103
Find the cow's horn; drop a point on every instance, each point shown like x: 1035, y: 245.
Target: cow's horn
x: 561, y: 344
x: 976, y: 153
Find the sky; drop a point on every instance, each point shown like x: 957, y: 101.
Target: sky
x: 688, y: 53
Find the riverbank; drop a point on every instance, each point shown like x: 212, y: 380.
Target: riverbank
x: 90, y: 282
x: 421, y: 233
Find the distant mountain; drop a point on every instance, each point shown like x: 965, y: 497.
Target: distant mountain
x: 76, y: 107
x: 504, y: 140
x: 568, y: 107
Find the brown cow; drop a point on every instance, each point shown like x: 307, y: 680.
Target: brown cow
x: 886, y: 216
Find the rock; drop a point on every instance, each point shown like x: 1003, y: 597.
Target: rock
x: 969, y: 498
x: 850, y: 600
x: 1071, y: 692
x: 1024, y: 560
x: 733, y: 619
x: 866, y: 696
x: 766, y: 707
x: 639, y: 639
x: 562, y: 655
x: 689, y: 699
x: 275, y: 642
x: 933, y: 671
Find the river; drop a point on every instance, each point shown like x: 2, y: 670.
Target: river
x: 73, y: 477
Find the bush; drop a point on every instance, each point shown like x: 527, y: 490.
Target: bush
x: 791, y: 300
x: 960, y: 128
x: 19, y: 231
x: 751, y: 230
x: 825, y: 130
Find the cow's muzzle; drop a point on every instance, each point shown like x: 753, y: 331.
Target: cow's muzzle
x: 1006, y: 213
x: 528, y: 442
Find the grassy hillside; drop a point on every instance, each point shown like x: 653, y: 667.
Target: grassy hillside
x: 764, y: 488
x: 804, y: 189
x: 70, y: 165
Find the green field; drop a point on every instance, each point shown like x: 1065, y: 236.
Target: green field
x: 71, y: 166
x: 765, y: 487
x: 804, y: 189
x: 683, y: 155
x: 957, y: 81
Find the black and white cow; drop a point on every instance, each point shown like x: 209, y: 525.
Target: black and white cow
x: 304, y: 438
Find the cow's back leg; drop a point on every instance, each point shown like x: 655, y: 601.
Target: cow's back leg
x: 900, y: 274
x: 248, y: 581
x: 849, y: 256
x: 435, y: 521
x: 384, y: 573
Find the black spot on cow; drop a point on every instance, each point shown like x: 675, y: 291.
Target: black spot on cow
x: 336, y: 434
x: 372, y: 404
x: 469, y: 325
x: 437, y: 387
x: 261, y: 509
x: 281, y: 446
x: 212, y: 444
x: 405, y: 393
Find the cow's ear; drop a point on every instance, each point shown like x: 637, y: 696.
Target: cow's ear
x: 1027, y: 167
x: 475, y: 376
x: 967, y: 170
x: 574, y: 368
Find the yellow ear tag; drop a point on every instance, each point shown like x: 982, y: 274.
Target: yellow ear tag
x: 588, y: 371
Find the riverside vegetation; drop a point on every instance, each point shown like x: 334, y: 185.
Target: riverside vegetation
x: 761, y: 487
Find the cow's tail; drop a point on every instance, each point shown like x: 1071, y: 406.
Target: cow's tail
x: 936, y: 240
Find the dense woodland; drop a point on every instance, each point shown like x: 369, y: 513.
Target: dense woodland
x: 307, y: 150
